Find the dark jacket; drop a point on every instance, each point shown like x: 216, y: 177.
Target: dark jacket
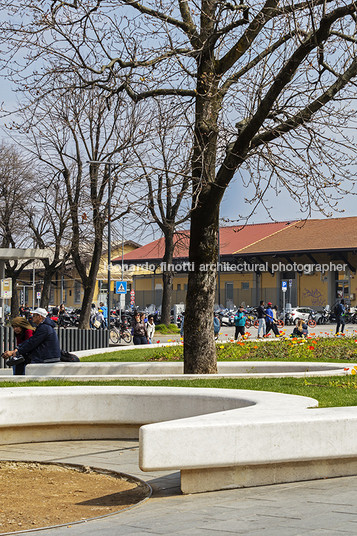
x: 261, y: 312
x: 43, y: 346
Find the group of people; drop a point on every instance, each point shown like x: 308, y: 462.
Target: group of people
x: 267, y: 318
x: 36, y: 343
x: 99, y: 316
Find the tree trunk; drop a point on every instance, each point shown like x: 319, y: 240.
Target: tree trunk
x: 167, y: 279
x: 86, y: 306
x: 199, y: 343
x: 88, y: 281
x: 45, y: 294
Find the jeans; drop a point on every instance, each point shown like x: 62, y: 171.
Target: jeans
x: 340, y: 322
x: 262, y: 327
x: 139, y: 340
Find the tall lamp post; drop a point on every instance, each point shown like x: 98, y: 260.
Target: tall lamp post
x: 109, y: 164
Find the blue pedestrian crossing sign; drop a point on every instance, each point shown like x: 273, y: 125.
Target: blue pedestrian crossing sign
x: 120, y: 287
x: 284, y: 286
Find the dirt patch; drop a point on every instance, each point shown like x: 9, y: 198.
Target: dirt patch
x: 36, y: 495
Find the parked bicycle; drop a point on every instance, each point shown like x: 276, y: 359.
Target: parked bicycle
x: 119, y: 331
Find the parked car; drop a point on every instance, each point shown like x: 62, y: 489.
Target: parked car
x: 305, y: 313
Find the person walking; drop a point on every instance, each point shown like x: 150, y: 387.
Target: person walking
x: 340, y: 321
x: 150, y: 328
x: 261, y: 319
x: 239, y: 322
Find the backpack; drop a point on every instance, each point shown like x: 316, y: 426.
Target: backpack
x: 66, y: 356
x: 336, y: 309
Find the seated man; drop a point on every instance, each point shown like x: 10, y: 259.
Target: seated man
x: 42, y: 347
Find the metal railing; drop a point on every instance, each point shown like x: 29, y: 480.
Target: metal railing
x: 72, y: 340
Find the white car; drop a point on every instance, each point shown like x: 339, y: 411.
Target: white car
x: 300, y: 312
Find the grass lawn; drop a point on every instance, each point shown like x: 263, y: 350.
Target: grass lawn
x: 329, y: 391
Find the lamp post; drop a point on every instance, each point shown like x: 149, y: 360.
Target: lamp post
x: 109, y: 164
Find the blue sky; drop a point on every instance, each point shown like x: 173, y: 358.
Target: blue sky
x: 233, y: 205
x: 283, y: 207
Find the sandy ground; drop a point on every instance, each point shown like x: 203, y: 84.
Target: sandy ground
x: 36, y: 495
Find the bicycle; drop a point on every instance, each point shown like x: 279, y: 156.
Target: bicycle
x: 116, y: 335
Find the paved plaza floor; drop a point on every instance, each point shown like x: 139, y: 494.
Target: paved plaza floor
x: 313, y: 508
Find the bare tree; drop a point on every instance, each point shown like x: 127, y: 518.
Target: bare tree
x: 16, y: 183
x: 270, y: 83
x: 49, y: 220
x: 71, y: 133
x: 166, y: 168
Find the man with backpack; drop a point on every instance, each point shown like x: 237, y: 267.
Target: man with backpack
x: 340, y: 321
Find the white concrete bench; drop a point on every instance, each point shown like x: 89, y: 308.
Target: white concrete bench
x: 218, y: 438
x: 85, y: 371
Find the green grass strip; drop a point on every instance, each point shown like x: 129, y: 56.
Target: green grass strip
x: 329, y: 391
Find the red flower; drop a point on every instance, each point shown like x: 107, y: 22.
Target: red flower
x: 311, y: 347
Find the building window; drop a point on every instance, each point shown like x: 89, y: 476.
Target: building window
x: 77, y: 292
x: 185, y: 286
x: 178, y: 286
x: 245, y: 285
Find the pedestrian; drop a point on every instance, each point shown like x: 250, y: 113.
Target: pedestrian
x: 340, y: 321
x: 140, y: 334
x: 150, y: 327
x: 261, y: 319
x: 216, y: 326
x: 93, y: 312
x: 182, y: 323
x: 105, y: 314
x: 239, y: 322
x: 42, y: 347
x: 99, y: 320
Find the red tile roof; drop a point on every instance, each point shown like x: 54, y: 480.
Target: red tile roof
x: 232, y: 239
x: 312, y: 235
x: 263, y: 238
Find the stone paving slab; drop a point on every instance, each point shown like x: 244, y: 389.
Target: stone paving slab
x: 313, y: 508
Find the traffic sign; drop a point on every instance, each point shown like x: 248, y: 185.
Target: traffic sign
x: 6, y: 289
x: 132, y: 293
x: 38, y: 294
x: 284, y: 286
x: 290, y: 282
x: 120, y: 287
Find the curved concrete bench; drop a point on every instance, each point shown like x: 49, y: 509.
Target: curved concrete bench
x: 151, y: 370
x: 218, y: 438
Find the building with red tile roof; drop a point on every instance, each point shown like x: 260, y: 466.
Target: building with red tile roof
x: 317, y: 258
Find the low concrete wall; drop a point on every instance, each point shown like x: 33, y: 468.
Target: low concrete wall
x: 175, y: 369
x: 218, y: 438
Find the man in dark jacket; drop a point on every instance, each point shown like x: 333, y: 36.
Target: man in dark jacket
x: 43, y: 346
x: 261, y: 317
x: 340, y: 321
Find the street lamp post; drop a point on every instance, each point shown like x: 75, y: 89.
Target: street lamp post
x: 109, y: 164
